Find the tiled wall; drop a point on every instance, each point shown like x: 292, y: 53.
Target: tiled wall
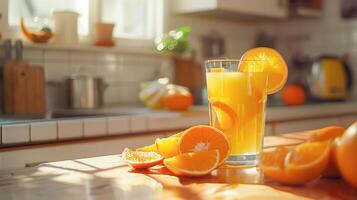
x: 329, y: 34
x: 123, y: 73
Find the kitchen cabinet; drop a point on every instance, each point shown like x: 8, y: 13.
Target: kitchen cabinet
x: 229, y: 8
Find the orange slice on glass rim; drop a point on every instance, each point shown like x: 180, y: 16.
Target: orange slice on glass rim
x: 268, y: 60
x: 296, y: 165
x: 204, y: 138
x: 140, y: 159
x: 194, y: 163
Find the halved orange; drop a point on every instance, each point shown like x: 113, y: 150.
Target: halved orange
x: 296, y: 165
x: 193, y: 164
x: 202, y: 138
x: 224, y: 116
x: 167, y: 147
x: 141, y: 160
x: 268, y: 60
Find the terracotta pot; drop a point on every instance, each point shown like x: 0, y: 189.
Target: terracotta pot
x: 104, y: 34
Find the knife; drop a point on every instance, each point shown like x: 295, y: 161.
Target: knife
x: 18, y: 50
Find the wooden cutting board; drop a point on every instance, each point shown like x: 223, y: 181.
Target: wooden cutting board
x: 24, y: 88
x: 108, y: 177
x: 8, y: 86
x: 35, y: 91
x: 19, y: 74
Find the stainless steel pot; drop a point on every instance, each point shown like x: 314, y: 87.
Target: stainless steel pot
x: 86, y: 92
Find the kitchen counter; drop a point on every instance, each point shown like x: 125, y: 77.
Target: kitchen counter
x: 109, y: 130
x: 63, y: 125
x: 108, y: 177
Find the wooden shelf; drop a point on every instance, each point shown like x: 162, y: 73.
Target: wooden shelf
x: 146, y: 51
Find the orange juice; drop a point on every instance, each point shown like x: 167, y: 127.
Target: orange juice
x: 237, y: 107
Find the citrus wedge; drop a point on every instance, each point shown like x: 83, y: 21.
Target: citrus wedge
x: 141, y: 160
x: 268, y: 60
x: 204, y: 138
x: 193, y: 164
x: 153, y: 147
x: 167, y: 147
x: 296, y: 165
x: 149, y: 148
x: 329, y: 133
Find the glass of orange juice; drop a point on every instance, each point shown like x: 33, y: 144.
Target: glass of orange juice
x: 237, y: 107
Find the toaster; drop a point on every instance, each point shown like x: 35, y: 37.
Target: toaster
x: 330, y: 78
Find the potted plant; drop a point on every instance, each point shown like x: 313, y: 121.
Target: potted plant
x: 188, y: 73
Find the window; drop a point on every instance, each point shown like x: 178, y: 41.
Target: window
x: 133, y: 18
x: 139, y: 19
x: 38, y: 12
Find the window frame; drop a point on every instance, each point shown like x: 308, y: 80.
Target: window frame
x: 13, y: 32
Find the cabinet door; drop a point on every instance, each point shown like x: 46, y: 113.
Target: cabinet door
x: 302, y: 125
x: 268, y: 8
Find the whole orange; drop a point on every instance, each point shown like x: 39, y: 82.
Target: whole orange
x: 178, y: 100
x: 293, y: 94
x: 346, y: 151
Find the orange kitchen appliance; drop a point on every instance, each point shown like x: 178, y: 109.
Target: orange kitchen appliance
x: 330, y: 78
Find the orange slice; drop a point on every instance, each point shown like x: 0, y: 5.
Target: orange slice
x: 329, y: 133
x: 141, y: 160
x: 204, y: 138
x: 224, y: 116
x: 167, y: 147
x: 296, y: 165
x: 149, y: 148
x: 269, y: 61
x: 193, y: 164
x: 153, y: 147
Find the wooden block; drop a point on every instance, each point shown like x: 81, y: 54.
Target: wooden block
x: 35, y: 98
x: 8, y: 87
x: 19, y: 84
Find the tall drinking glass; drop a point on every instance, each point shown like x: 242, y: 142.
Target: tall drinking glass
x: 237, y: 107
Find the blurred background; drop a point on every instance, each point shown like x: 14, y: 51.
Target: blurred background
x: 306, y: 32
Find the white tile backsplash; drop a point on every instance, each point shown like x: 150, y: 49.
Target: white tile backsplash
x: 57, y: 71
x: 33, y: 54
x: 15, y: 133
x: 122, y: 92
x: 43, y: 131
x: 329, y: 34
x: 57, y: 55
